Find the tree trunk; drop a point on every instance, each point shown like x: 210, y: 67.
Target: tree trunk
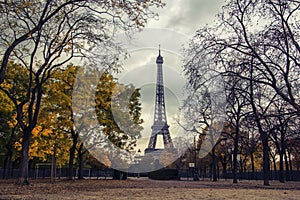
x: 218, y: 171
x: 274, y: 163
x: 266, y: 158
x: 287, y: 171
x: 291, y: 165
x: 71, y: 162
x: 252, y: 162
x: 8, y: 160
x: 80, y: 162
x: 72, y: 155
x: 8, y: 165
x: 274, y: 166
x: 214, y: 167
x: 281, y: 170
x: 24, y: 178
x: 224, y: 163
x: 235, y: 162
x: 241, y: 166
x: 263, y: 134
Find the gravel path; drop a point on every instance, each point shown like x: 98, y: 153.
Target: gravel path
x: 144, y: 188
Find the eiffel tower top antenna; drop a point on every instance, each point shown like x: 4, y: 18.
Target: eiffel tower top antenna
x: 159, y: 49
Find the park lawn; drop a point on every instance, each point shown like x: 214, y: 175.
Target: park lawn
x: 144, y: 188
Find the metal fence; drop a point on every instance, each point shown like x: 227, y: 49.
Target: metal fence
x: 60, y: 173
x: 44, y: 172
x: 257, y: 175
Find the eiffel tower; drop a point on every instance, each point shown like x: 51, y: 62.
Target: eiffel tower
x: 160, y: 125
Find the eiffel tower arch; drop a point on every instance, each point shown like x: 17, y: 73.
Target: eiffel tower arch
x: 160, y: 125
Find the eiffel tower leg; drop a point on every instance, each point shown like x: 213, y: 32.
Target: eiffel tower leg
x: 167, y: 140
x: 152, y: 143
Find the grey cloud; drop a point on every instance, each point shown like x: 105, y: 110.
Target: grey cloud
x: 188, y: 15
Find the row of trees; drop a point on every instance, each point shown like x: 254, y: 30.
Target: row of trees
x: 55, y: 136
x: 43, y: 36
x: 217, y: 161
x: 253, y: 51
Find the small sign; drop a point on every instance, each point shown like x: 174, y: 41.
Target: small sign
x: 192, y: 165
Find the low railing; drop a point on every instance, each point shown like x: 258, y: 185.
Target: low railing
x: 60, y: 173
x: 257, y: 175
x: 109, y: 173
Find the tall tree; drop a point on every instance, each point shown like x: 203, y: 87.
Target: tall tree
x: 16, y: 79
x: 206, y: 112
x: 58, y: 101
x: 237, y: 111
x: 118, y: 110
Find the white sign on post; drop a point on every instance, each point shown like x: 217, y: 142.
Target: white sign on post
x: 192, y: 165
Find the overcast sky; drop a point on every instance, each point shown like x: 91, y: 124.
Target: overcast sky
x: 177, y: 24
x: 187, y: 16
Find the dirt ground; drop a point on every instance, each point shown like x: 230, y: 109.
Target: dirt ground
x: 144, y: 188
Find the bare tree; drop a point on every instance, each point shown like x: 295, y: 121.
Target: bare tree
x: 72, y: 26
x: 261, y: 39
x: 273, y: 43
x: 280, y: 121
x: 237, y: 111
x: 205, y: 112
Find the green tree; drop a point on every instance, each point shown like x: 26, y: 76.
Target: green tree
x: 118, y: 110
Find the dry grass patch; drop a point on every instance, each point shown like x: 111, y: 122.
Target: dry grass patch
x: 147, y: 189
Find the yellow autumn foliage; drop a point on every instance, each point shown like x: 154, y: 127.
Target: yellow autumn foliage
x: 45, y: 142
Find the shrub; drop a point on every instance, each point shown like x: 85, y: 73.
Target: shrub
x: 164, y: 174
x: 119, y: 175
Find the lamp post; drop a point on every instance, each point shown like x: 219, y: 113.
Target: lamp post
x: 196, y: 177
x: 138, y: 162
x: 238, y: 160
x: 53, y: 163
